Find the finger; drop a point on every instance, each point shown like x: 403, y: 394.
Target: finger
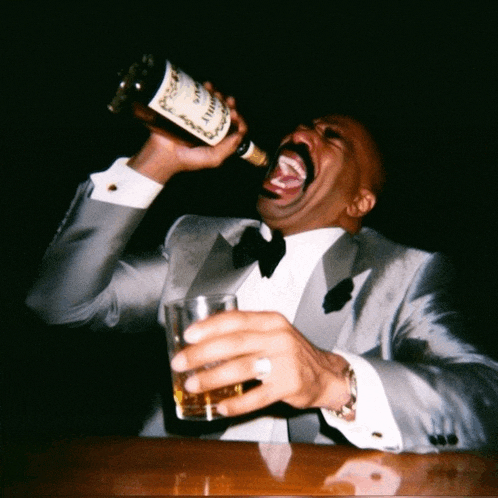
x: 254, y: 399
x: 220, y: 349
x: 211, y: 89
x: 233, y: 321
x: 238, y: 122
x: 230, y: 102
x: 225, y: 374
x: 208, y: 86
x: 259, y: 338
x: 219, y: 95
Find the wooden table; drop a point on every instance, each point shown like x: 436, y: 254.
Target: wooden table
x: 159, y: 467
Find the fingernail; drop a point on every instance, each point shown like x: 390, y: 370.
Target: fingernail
x: 192, y: 335
x: 179, y: 363
x: 192, y: 384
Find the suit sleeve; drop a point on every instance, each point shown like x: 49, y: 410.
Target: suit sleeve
x: 84, y: 280
x: 442, y: 391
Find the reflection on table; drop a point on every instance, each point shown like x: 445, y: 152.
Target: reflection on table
x: 141, y: 466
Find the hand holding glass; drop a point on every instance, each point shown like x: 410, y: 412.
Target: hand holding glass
x: 179, y: 315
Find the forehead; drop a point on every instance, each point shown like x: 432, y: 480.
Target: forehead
x: 354, y: 134
x: 348, y: 127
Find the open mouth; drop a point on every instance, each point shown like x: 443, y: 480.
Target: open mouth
x: 291, y: 171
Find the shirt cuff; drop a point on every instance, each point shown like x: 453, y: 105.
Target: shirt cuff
x: 374, y: 425
x: 122, y: 185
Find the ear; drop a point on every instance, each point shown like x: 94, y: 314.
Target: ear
x: 362, y: 204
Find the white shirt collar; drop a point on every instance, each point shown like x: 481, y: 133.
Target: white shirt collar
x: 303, y: 251
x: 282, y: 292
x: 318, y: 240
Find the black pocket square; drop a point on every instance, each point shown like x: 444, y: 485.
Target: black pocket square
x: 338, y: 296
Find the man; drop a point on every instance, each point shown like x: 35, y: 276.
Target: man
x: 352, y: 331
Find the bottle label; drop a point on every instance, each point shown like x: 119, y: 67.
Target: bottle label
x: 189, y: 105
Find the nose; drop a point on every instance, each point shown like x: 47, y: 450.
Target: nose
x: 304, y: 133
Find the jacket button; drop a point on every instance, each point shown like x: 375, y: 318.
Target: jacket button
x: 441, y: 440
x: 433, y: 440
x: 452, y: 439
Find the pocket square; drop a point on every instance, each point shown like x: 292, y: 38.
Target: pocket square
x: 338, y: 296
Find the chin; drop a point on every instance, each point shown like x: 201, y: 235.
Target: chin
x: 275, y: 216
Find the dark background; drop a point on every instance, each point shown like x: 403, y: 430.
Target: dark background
x: 422, y: 76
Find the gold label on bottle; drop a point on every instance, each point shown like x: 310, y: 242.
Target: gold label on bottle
x: 255, y: 155
x: 189, y: 105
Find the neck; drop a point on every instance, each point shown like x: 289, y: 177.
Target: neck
x: 350, y: 225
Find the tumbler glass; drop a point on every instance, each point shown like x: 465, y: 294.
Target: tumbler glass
x: 179, y: 315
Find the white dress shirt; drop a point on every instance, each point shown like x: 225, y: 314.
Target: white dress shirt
x: 374, y: 425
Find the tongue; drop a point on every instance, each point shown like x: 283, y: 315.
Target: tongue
x: 283, y: 180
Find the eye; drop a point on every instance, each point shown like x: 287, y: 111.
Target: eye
x: 331, y: 134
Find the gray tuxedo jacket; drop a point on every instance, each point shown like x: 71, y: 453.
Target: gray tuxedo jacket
x: 442, y: 391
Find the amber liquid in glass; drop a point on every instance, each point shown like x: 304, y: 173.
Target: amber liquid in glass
x: 200, y: 406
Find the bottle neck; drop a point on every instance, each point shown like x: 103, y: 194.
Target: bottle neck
x: 248, y: 151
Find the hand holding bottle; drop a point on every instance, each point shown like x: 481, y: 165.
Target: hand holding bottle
x: 164, y: 154
x: 182, y: 115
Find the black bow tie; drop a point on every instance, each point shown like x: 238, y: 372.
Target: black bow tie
x: 253, y: 246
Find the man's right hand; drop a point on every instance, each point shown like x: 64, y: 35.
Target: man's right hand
x: 163, y: 154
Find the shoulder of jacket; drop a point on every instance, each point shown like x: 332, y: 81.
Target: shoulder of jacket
x: 192, y: 226
x: 373, y: 244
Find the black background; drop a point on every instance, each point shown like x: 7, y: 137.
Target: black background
x: 422, y: 76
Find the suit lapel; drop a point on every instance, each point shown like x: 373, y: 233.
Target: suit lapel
x: 336, y: 265
x: 320, y: 328
x: 218, y: 275
x: 200, y: 258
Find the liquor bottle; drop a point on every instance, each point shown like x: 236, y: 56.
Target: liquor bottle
x: 174, y: 97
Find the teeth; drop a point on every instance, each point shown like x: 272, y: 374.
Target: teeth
x: 286, y: 169
x: 290, y: 166
x: 277, y: 183
x: 291, y: 173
